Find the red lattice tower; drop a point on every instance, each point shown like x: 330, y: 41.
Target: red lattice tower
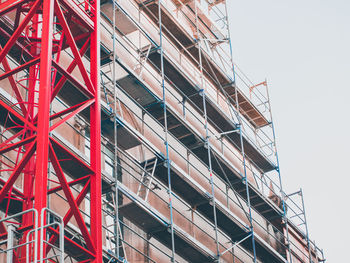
x: 33, y: 36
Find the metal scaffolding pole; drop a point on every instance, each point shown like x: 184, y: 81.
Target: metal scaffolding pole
x: 238, y: 115
x: 207, y: 137
x: 306, y: 226
x: 303, y: 220
x: 284, y: 205
x: 166, y: 130
x: 115, y: 134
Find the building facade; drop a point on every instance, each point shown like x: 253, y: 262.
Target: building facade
x: 128, y: 134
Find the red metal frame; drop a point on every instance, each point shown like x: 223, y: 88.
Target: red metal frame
x: 29, y: 119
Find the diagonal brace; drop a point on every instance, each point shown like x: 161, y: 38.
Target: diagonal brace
x: 68, y: 193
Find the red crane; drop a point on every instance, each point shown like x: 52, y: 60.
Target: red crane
x: 34, y: 34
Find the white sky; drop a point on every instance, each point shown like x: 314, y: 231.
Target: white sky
x: 303, y: 48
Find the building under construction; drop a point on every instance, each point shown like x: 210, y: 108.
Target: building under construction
x: 128, y: 134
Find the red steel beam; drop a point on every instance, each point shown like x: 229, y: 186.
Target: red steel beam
x: 7, y: 141
x: 17, y: 192
x: 9, y: 72
x: 42, y: 153
x: 69, y: 214
x: 18, y: 45
x: 71, y: 7
x: 69, y: 195
x: 19, y: 30
x: 15, y: 145
x: 69, y: 110
x: 24, y: 121
x: 13, y: 84
x: 73, y: 46
x: 71, y: 183
x: 10, y: 5
x: 13, y: 177
x: 71, y: 78
x: 70, y: 154
x: 72, y: 113
x: 78, y: 248
x: 70, y: 69
x: 95, y: 136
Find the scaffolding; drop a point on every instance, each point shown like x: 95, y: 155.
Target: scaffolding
x: 154, y: 130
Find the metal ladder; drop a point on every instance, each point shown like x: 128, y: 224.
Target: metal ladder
x: 113, y: 258
x: 113, y: 232
x: 147, y: 178
x: 144, y: 54
x: 107, y: 86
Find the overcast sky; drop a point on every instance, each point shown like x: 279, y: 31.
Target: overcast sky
x: 302, y: 48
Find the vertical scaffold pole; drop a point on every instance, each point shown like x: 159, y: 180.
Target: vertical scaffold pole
x: 207, y: 137
x: 10, y: 242
x: 284, y: 205
x: 306, y: 226
x: 115, y: 129
x: 166, y: 130
x: 241, y: 142
x: 246, y: 180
